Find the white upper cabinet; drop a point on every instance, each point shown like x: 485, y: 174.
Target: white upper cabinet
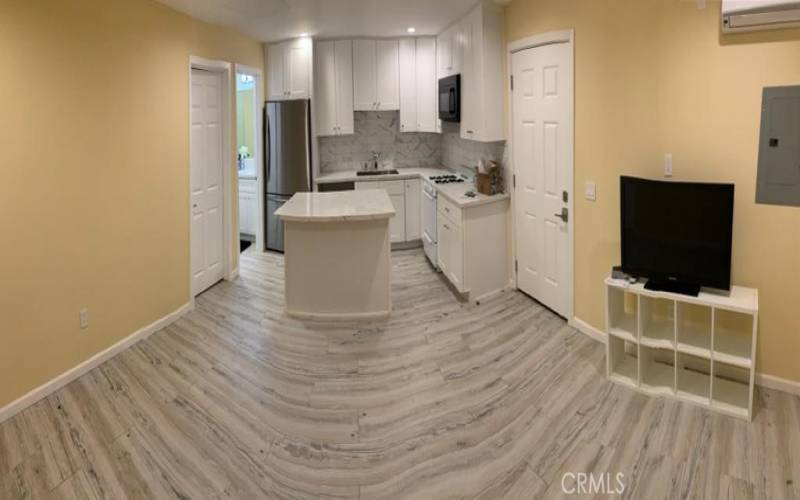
x: 376, y: 75
x: 449, y: 51
x: 289, y: 70
x: 333, y: 76
x: 388, y: 80
x: 482, y: 81
x: 427, y: 116
x: 408, y: 85
x: 418, y: 85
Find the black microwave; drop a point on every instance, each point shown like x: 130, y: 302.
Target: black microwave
x: 450, y: 98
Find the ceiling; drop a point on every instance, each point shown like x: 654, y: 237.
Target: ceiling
x: 272, y: 20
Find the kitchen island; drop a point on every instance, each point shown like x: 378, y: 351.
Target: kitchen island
x: 337, y: 254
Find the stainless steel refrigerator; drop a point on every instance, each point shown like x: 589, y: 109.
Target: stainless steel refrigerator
x: 287, y: 143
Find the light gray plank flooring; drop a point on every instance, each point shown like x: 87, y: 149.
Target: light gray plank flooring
x: 442, y: 400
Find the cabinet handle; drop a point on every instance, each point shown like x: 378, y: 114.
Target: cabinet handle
x: 446, y: 209
x: 446, y: 226
x: 469, y: 131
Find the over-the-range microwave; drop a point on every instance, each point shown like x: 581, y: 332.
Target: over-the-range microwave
x: 450, y: 98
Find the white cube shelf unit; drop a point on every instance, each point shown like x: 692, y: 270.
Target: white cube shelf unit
x: 697, y: 349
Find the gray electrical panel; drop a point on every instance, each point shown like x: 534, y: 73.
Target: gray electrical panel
x: 779, y: 147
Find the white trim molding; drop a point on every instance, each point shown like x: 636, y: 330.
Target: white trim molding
x: 778, y: 383
x: 98, y: 359
x: 762, y: 379
x: 259, y: 131
x: 551, y: 37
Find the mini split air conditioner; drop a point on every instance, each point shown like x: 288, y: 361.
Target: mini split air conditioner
x: 753, y: 15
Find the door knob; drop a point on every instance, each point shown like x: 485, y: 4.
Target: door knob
x: 564, y: 215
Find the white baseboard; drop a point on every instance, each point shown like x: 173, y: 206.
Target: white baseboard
x: 762, y: 379
x: 778, y: 383
x: 589, y: 330
x: 101, y: 357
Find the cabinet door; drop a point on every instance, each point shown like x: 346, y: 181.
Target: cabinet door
x: 344, y: 86
x: 397, y: 224
x: 469, y: 77
x: 326, y: 88
x: 413, y: 194
x: 275, y: 56
x: 297, y: 68
x: 450, y: 253
x: 408, y: 85
x: 426, y: 85
x: 364, y: 73
x: 388, y: 77
x: 444, y: 54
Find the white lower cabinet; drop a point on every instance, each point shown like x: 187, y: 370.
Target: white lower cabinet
x: 396, y: 192
x: 248, y: 207
x: 451, y: 251
x: 473, y: 246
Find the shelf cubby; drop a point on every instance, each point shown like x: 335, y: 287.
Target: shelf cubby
x: 730, y: 390
x: 733, y: 337
x: 657, y: 367
x: 657, y: 322
x: 697, y: 349
x: 694, y: 329
x: 623, y: 309
x: 623, y: 361
x: 694, y: 379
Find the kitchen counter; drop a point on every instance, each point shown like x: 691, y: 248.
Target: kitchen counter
x: 371, y: 204
x: 336, y: 254
x: 455, y: 192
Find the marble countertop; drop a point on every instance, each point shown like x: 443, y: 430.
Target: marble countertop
x: 369, y: 204
x: 455, y: 192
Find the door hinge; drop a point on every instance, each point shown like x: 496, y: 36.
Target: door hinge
x: 512, y: 83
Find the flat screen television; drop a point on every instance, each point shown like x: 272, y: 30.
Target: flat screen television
x: 677, y: 234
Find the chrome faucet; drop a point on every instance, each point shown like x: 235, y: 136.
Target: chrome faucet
x: 375, y: 160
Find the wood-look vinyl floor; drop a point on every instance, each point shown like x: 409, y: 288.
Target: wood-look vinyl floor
x: 442, y: 400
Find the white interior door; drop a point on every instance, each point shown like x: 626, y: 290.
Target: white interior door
x: 542, y: 111
x: 206, y: 163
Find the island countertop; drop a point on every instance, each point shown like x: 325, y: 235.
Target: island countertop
x: 369, y: 204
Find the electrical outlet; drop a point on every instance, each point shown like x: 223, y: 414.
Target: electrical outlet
x: 668, y: 165
x: 591, y: 191
x: 84, y: 317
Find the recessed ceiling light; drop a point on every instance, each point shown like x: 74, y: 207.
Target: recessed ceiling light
x: 412, y: 30
x: 303, y: 35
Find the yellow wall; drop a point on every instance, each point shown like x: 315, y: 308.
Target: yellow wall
x: 245, y: 121
x: 94, y: 171
x: 656, y: 76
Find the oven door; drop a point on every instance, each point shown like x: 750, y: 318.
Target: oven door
x: 429, y: 241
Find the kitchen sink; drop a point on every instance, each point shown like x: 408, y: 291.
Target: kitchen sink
x: 377, y: 172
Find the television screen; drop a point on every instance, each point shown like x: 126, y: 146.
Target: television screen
x: 677, y: 232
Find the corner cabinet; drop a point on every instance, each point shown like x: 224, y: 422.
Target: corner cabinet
x: 473, y: 246
x: 333, y: 87
x: 418, y: 85
x: 482, y: 74
x: 376, y: 75
x: 289, y: 70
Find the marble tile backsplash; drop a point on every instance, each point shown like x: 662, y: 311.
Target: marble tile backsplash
x: 379, y: 131
x: 463, y: 155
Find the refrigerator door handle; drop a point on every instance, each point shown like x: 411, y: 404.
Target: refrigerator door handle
x: 266, y: 144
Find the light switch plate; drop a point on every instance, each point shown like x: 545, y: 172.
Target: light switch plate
x: 591, y: 191
x: 668, y: 165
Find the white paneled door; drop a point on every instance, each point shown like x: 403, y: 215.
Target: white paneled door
x: 206, y: 179
x: 542, y: 111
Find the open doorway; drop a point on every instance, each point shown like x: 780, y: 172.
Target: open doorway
x: 248, y: 158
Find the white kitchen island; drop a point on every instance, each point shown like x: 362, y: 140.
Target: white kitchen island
x: 337, y: 254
